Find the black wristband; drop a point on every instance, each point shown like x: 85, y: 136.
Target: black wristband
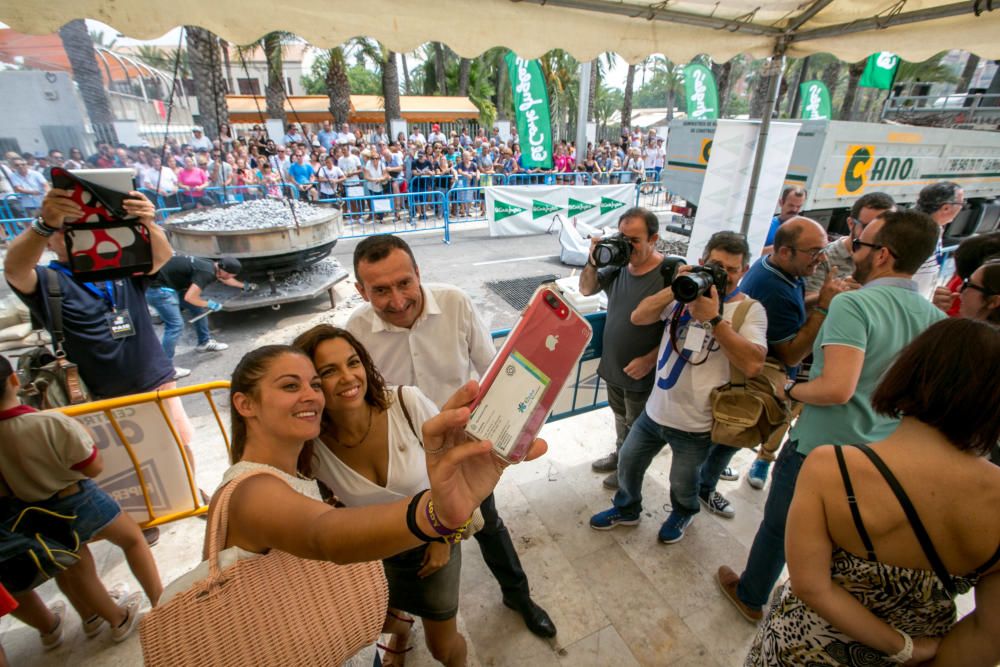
x: 411, y: 519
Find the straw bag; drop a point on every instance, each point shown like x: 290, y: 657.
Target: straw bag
x: 274, y: 609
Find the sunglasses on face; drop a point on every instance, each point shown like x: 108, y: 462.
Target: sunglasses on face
x: 857, y: 244
x: 968, y: 284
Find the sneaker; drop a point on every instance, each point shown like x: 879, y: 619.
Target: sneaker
x: 729, y: 474
x: 611, y: 481
x: 607, y: 463
x: 728, y: 582
x: 758, y: 473
x: 672, y: 529
x: 608, y: 519
x: 131, y: 607
x: 716, y: 503
x: 181, y: 372
x: 212, y: 346
x: 51, y: 640
x: 93, y: 625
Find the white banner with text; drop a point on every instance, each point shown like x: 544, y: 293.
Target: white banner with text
x: 514, y: 210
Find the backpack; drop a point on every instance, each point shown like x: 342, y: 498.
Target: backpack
x: 745, y: 411
x: 48, y: 379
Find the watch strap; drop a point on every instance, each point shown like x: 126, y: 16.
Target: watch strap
x: 906, y: 654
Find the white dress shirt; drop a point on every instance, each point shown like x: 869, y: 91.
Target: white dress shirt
x: 448, y: 344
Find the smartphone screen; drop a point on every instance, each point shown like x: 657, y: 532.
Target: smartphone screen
x: 521, y: 385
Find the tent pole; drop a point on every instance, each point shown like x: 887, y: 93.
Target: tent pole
x: 583, y: 102
x: 776, y: 67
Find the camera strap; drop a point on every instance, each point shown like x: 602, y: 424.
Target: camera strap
x: 682, y: 316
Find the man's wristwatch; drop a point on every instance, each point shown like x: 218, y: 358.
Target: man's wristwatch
x: 712, y: 323
x: 788, y: 389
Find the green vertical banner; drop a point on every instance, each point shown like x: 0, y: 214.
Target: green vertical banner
x: 815, y: 101
x: 880, y: 70
x: 531, y: 103
x: 701, y: 93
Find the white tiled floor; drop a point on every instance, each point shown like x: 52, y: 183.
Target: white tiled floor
x: 619, y: 598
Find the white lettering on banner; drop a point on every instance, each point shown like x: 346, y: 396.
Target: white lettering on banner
x: 535, y: 136
x: 700, y: 89
x: 812, y: 108
x: 886, y: 60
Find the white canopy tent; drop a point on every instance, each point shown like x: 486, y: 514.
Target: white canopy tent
x: 634, y: 29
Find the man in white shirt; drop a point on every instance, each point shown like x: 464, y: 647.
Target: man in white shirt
x: 161, y: 180
x: 943, y: 201
x: 345, y: 136
x: 437, y: 135
x: 417, y: 137
x: 698, y: 345
x: 200, y: 141
x: 431, y: 337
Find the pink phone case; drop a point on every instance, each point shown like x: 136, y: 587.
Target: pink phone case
x: 547, y: 343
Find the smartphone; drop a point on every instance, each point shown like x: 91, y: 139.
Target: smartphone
x: 520, y: 387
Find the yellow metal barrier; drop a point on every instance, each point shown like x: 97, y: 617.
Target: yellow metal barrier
x: 107, y: 407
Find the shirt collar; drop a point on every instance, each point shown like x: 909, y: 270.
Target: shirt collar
x: 16, y: 411
x: 431, y: 307
x: 781, y: 273
x: 903, y: 283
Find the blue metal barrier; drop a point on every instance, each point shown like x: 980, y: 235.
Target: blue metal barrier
x: 585, y: 390
x: 466, y: 205
x: 391, y: 213
x: 550, y: 178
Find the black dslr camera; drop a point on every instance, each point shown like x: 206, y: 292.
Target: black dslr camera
x: 612, y: 251
x: 699, y: 281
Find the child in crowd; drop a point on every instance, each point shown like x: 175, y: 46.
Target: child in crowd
x: 48, y: 460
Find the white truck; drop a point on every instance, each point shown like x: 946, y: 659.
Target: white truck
x: 838, y: 161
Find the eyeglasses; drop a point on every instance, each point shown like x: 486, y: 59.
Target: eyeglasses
x: 813, y: 254
x: 857, y: 244
x: 963, y: 204
x: 968, y: 284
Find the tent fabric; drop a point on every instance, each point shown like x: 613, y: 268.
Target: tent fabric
x: 633, y: 29
x: 364, y: 108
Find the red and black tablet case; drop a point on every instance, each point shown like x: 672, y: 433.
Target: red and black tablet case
x: 104, y: 243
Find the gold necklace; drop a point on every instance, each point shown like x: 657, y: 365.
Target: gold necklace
x: 371, y: 414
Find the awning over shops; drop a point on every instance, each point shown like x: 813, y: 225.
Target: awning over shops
x: 634, y: 29
x: 364, y: 108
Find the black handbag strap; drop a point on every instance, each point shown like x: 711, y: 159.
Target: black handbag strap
x: 406, y: 413
x: 54, y: 297
x: 915, y: 523
x: 852, y: 502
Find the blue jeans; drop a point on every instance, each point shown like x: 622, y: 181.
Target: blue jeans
x: 767, y: 555
x: 719, y: 457
x: 169, y: 305
x: 645, y: 440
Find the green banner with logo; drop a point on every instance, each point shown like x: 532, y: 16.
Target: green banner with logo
x: 531, y: 104
x: 512, y: 210
x: 815, y: 101
x: 880, y: 70
x: 701, y: 93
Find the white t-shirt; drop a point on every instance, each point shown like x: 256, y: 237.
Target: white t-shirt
x: 680, y: 396
x: 332, y: 173
x: 373, y: 172
x: 350, y: 163
x: 346, y: 138
x: 926, y: 276
x: 437, y: 136
x: 448, y: 344
x: 418, y: 137
x: 166, y: 177
x: 202, y: 142
x: 406, y: 473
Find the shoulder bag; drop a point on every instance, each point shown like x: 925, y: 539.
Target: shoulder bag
x: 272, y: 609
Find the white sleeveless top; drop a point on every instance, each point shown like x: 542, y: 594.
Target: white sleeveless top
x: 407, y: 469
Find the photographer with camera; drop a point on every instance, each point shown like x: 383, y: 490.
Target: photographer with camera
x: 628, y: 269
x: 695, y: 353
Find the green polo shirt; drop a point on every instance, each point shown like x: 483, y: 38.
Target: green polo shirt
x: 880, y: 319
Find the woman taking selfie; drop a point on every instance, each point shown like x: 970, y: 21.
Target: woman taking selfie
x: 369, y: 452
x: 882, y: 538
x: 277, y: 405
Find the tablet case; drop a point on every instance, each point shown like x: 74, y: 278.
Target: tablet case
x: 104, y: 243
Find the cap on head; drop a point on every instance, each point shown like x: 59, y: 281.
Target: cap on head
x: 229, y: 264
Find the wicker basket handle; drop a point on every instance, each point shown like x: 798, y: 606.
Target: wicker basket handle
x: 218, y: 527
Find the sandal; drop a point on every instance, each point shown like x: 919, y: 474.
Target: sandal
x: 396, y: 650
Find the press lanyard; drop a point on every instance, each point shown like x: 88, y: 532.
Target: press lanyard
x: 105, y: 292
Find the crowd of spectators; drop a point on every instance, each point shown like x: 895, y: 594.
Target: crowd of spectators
x: 320, y: 163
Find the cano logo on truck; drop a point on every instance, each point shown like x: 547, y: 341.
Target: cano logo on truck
x: 861, y: 166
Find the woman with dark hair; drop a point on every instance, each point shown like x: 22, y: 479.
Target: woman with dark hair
x: 882, y: 538
x: 277, y: 405
x: 369, y: 452
x: 981, y: 293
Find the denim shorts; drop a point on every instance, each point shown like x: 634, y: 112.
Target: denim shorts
x: 94, y: 509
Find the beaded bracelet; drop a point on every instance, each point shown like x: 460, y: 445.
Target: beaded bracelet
x: 39, y: 227
x: 450, y: 535
x: 411, y: 520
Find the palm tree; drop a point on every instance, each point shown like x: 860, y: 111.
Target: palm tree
x: 561, y: 73
x: 627, y: 101
x: 205, y: 60
x: 760, y: 81
x: 503, y: 82
x: 854, y: 72
x: 407, y: 89
x: 673, y: 79
x: 723, y: 76
x: 439, y: 68
x: 338, y: 87
x: 464, y: 65
x: 274, y: 93
x: 390, y: 87
x: 83, y: 61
